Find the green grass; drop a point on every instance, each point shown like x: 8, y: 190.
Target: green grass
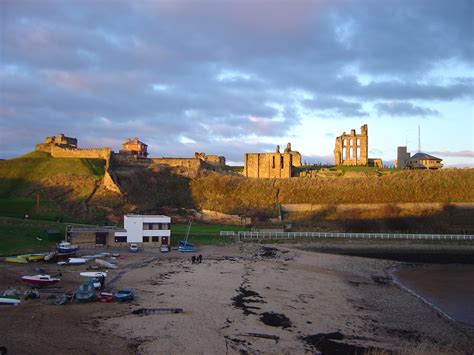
x: 18, y: 207
x: 19, y: 236
x: 18, y: 175
x: 202, y: 234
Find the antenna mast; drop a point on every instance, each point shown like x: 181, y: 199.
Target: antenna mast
x: 419, y: 140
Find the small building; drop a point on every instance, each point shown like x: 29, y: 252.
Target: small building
x: 145, y: 230
x: 134, y: 147
x: 417, y: 161
x: 148, y: 230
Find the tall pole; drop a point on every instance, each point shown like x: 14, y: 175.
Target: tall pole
x: 419, y: 140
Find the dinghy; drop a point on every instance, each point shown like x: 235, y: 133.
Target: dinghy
x: 105, y: 264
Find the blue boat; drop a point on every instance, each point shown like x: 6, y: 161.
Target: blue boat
x: 65, y: 248
x: 125, y: 294
x: 184, y: 246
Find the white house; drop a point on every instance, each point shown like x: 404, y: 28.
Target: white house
x: 147, y: 230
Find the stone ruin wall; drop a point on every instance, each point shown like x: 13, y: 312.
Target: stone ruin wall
x: 191, y: 163
x: 352, y: 149
x: 214, y: 160
x: 92, y: 153
x: 268, y: 165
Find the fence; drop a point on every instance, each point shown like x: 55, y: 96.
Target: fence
x: 295, y: 235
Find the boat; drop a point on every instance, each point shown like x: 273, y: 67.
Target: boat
x: 93, y: 274
x: 183, y: 245
x: 86, y: 292
x: 16, y: 259
x: 33, y: 257
x: 10, y: 296
x: 40, y: 279
x: 105, y: 264
x: 67, y: 297
x: 125, y: 294
x: 66, y: 248
x: 76, y: 261
x: 105, y: 297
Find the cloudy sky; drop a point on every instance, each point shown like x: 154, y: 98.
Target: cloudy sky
x: 229, y: 77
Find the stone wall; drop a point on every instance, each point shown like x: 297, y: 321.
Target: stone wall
x: 272, y: 165
x: 191, y: 163
x: 214, y: 160
x: 352, y: 149
x: 268, y: 165
x: 376, y: 163
x: 94, y: 153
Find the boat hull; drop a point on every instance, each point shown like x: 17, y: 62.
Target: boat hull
x: 8, y: 300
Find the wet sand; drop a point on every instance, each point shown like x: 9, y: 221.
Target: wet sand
x: 239, y: 299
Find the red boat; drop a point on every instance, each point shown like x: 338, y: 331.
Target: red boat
x: 40, y: 279
x: 105, y: 297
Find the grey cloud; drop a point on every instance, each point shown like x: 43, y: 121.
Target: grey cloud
x: 339, y: 106
x: 403, y: 109
x: 459, y: 154
x: 74, y: 66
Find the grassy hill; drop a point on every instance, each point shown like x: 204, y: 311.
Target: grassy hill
x: 63, y: 186
x: 238, y: 195
x: 72, y: 189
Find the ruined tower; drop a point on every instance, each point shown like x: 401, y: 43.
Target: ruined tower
x: 352, y: 149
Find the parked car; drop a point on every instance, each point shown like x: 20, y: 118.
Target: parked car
x: 125, y: 294
x: 165, y: 248
x: 133, y: 248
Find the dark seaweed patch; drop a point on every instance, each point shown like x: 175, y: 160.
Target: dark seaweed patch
x: 275, y: 320
x: 246, y: 296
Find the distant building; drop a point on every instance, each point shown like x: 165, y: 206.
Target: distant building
x: 145, y: 230
x: 134, y: 147
x: 57, y: 141
x: 272, y: 165
x: 417, y: 161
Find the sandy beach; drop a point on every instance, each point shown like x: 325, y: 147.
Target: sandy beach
x: 242, y: 298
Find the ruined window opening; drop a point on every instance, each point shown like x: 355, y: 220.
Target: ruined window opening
x: 273, y: 162
x: 358, y: 153
x: 344, y: 144
x: 281, y: 163
x: 351, y: 142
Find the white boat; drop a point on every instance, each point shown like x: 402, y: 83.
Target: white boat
x: 10, y: 296
x: 93, y: 274
x: 40, y: 279
x: 73, y: 261
x: 76, y: 261
x: 105, y: 264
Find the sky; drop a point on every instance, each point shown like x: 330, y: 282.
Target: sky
x: 228, y: 77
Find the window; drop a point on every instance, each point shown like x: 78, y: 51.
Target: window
x: 151, y: 226
x: 273, y: 162
x: 146, y: 239
x: 282, y: 164
x: 164, y: 226
x: 155, y: 239
x: 120, y: 239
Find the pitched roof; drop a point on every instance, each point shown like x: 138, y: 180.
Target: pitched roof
x: 424, y: 156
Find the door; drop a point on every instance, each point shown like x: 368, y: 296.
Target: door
x: 100, y: 238
x: 164, y: 240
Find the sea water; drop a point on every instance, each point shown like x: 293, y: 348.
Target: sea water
x: 450, y: 288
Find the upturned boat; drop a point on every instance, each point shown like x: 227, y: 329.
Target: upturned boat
x: 40, y: 279
x: 16, y: 259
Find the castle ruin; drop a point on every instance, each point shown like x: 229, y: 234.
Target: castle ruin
x: 352, y: 149
x: 272, y: 165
